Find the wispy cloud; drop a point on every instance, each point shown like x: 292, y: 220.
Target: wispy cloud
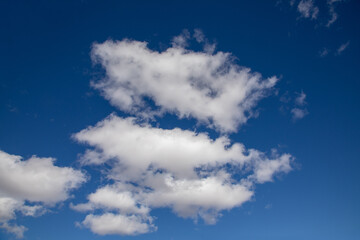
x: 307, y: 9
x: 324, y: 52
x: 299, y: 111
x: 333, y: 14
x: 300, y: 99
x: 343, y: 47
x: 295, y: 105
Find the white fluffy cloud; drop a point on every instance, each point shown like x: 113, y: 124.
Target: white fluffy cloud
x: 141, y: 147
x: 209, y: 87
x: 30, y: 186
x: 110, y: 223
x: 194, y: 175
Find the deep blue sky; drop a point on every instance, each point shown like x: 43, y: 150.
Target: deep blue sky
x: 45, y: 97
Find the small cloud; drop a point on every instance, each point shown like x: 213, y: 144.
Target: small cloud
x: 342, y: 47
x: 298, y: 113
x: 307, y: 9
x: 181, y: 40
x: 324, y: 52
x: 200, y: 38
x: 294, y: 104
x: 268, y: 206
x: 300, y: 100
x: 285, y: 98
x: 199, y: 35
x: 12, y: 108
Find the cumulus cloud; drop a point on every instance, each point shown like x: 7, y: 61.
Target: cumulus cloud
x: 194, y: 175
x: 207, y: 86
x: 109, y: 223
x: 265, y: 169
x: 148, y: 167
x: 140, y: 147
x: 307, y: 9
x: 30, y: 186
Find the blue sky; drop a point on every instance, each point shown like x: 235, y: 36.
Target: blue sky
x: 237, y: 120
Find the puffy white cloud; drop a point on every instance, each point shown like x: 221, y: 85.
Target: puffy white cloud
x: 131, y: 216
x: 307, y: 9
x: 115, y: 197
x: 29, y: 186
x: 265, y: 170
x: 141, y: 147
x: 209, y: 87
x: 36, y: 179
x: 194, y: 175
x: 204, y: 197
x: 109, y: 223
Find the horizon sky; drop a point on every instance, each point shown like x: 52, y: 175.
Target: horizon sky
x: 180, y: 120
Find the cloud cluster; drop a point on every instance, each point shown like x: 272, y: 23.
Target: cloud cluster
x: 209, y: 87
x: 194, y: 175
x: 30, y: 186
x: 149, y: 167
